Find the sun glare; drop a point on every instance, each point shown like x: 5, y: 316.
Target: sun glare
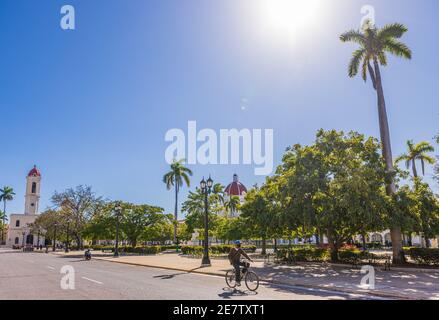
x: 290, y: 17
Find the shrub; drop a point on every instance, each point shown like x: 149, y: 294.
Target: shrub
x: 192, y: 250
x: 350, y: 256
x: 427, y: 256
x: 303, y: 254
x: 215, y: 250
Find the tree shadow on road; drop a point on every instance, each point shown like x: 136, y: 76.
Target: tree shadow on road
x: 169, y: 276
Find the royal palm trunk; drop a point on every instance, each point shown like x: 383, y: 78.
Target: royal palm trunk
x: 415, y: 172
x: 175, y: 212
x: 395, y: 232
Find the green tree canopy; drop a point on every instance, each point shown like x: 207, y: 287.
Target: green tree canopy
x: 335, y: 185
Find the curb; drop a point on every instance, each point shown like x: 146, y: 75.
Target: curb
x: 336, y: 289
x: 401, y: 269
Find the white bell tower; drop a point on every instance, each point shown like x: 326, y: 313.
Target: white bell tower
x: 32, y: 197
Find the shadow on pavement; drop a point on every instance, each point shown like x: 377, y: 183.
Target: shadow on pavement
x: 169, y: 276
x: 229, y: 293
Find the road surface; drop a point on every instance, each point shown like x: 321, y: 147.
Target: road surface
x: 38, y: 276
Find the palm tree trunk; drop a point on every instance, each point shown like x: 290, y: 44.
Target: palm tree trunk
x: 4, y: 222
x: 415, y: 172
x: 175, y: 212
x: 395, y: 232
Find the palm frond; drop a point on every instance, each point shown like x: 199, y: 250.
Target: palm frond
x: 355, y: 62
x: 353, y: 36
x: 423, y: 147
x: 382, y: 58
x: 186, y: 179
x: 428, y: 159
x: 394, y: 30
x: 397, y: 48
x: 403, y: 157
x: 364, y: 69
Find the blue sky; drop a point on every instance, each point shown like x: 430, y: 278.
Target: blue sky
x: 92, y: 106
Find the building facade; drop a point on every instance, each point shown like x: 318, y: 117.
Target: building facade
x: 19, y: 232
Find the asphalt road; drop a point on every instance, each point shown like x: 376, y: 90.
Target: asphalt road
x: 38, y: 276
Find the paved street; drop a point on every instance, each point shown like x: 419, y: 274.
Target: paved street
x: 37, y: 276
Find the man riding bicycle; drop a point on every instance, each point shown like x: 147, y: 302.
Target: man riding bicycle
x: 235, y: 260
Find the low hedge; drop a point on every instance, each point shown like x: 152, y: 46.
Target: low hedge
x: 427, y: 256
x: 216, y: 250
x: 350, y: 256
x: 303, y: 254
x: 130, y: 249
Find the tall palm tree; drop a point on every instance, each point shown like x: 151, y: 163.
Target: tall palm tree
x: 232, y: 204
x: 375, y: 44
x: 6, y: 194
x: 417, y: 152
x: 178, y: 175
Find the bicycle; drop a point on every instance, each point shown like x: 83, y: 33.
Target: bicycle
x: 250, y: 278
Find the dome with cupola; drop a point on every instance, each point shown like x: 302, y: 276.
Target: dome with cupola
x: 34, y: 172
x: 235, y: 188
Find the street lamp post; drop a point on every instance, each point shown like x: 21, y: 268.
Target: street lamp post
x: 67, y: 236
x: 206, y: 188
x: 54, y: 237
x: 38, y: 239
x: 118, y: 211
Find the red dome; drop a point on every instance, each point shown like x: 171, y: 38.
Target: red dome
x: 236, y: 188
x: 34, y: 172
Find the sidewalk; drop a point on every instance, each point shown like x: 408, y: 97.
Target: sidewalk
x: 406, y: 284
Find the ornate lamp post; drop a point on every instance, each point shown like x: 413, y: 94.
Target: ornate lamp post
x: 118, y: 212
x: 206, y: 189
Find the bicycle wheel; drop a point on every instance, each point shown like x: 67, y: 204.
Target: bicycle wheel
x: 231, y: 278
x: 251, y: 281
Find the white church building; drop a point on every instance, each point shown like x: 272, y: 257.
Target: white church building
x: 19, y: 233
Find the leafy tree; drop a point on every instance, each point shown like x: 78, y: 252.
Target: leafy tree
x: 3, y: 226
x: 102, y: 224
x: 6, y: 194
x: 175, y: 178
x: 417, y: 152
x: 427, y: 210
x: 78, y: 206
x: 137, y: 218
x: 49, y: 225
x: 229, y: 229
x: 194, y: 209
x: 375, y: 44
x: 260, y: 212
x: 336, y: 185
x: 183, y: 232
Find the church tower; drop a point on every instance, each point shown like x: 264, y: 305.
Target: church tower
x: 32, y: 197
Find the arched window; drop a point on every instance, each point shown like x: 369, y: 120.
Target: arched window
x: 34, y: 187
x: 16, y: 240
x: 17, y: 223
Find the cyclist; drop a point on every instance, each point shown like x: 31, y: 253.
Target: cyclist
x: 235, y: 257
